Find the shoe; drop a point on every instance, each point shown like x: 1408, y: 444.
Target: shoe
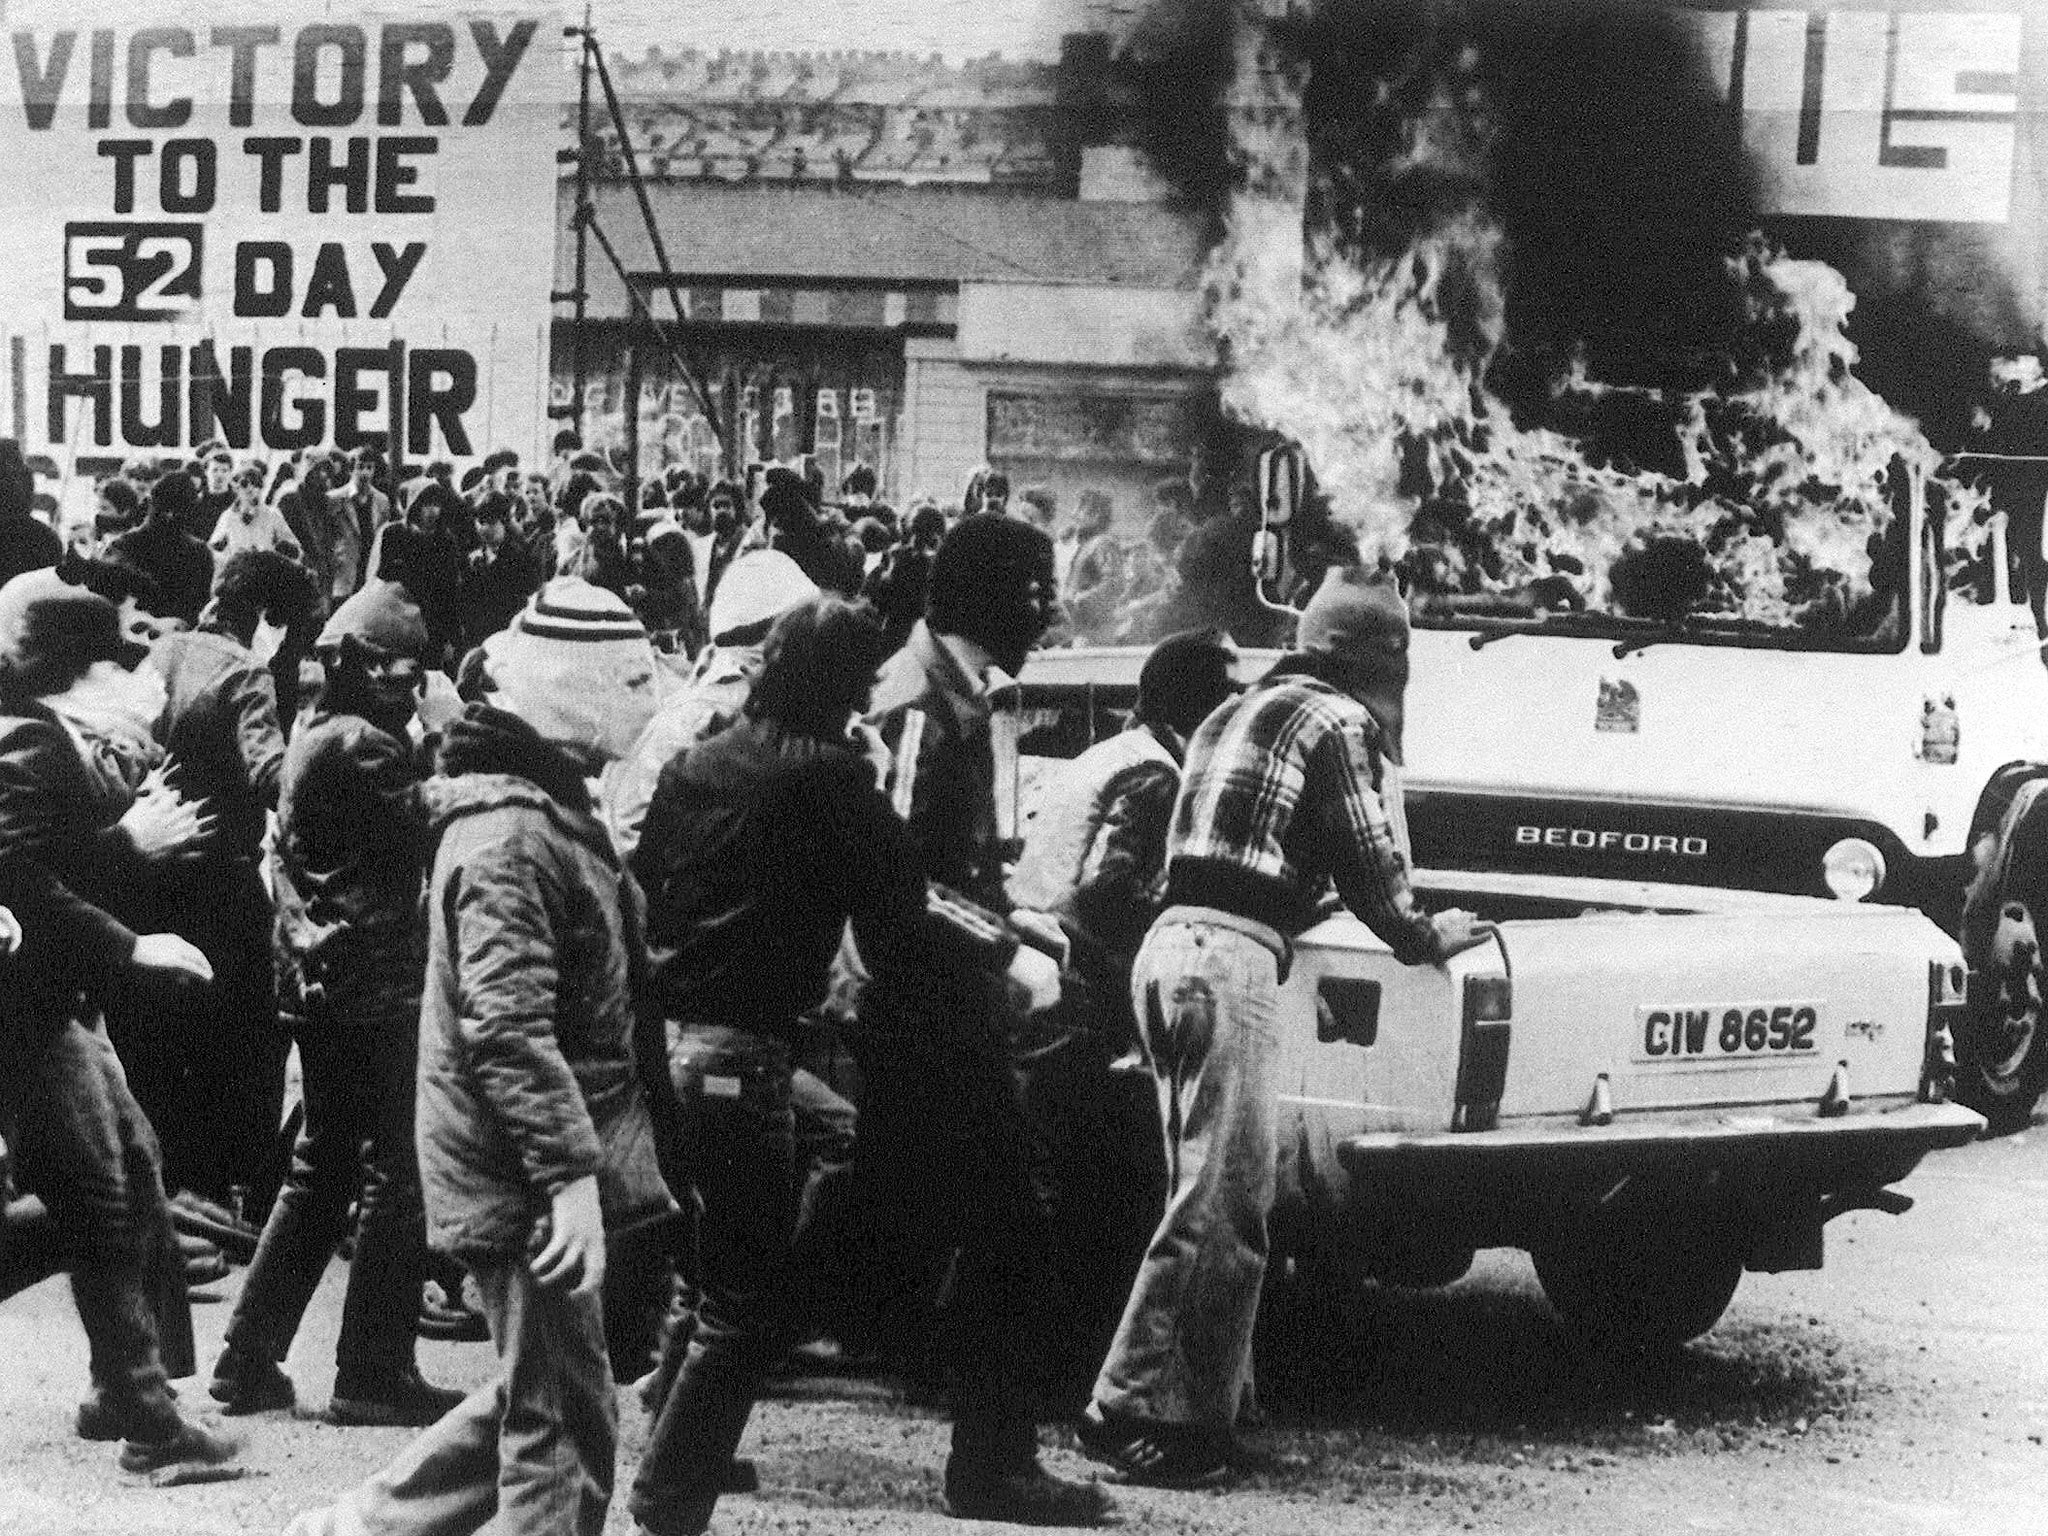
x: 193, y: 1444
x: 99, y: 1419
x: 410, y: 1401
x: 242, y: 1385
x: 1152, y: 1455
x: 450, y: 1322
x: 1030, y: 1496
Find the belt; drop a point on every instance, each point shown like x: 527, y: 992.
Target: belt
x: 1258, y: 932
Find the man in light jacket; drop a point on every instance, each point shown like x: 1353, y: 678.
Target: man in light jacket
x: 535, y: 1131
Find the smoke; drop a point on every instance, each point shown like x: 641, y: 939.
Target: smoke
x: 1513, y: 311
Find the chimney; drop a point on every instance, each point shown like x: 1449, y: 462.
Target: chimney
x: 1080, y: 110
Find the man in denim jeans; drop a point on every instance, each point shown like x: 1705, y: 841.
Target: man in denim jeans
x: 69, y: 831
x: 760, y: 846
x: 1293, y: 787
x: 537, y: 1084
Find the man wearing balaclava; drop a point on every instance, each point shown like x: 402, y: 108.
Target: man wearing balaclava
x: 535, y: 1134
x: 1292, y: 788
x: 942, y: 1155
x: 352, y: 847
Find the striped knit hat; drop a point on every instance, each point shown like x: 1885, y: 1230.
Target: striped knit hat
x: 577, y: 667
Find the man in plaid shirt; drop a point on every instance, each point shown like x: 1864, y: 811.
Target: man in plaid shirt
x: 1290, y: 789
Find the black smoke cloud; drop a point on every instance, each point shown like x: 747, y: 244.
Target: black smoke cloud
x: 1591, y: 132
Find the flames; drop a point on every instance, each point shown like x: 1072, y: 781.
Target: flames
x: 1775, y: 500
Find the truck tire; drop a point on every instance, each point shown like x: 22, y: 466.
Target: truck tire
x: 2002, y: 1043
x: 1642, y: 1292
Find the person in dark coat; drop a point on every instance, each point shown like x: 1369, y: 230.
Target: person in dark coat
x: 501, y: 575
x: 942, y: 1157
x: 760, y: 846
x: 898, y: 585
x: 26, y: 543
x: 352, y: 818
x: 67, y: 834
x: 210, y: 1071
x: 180, y: 565
x: 535, y: 1131
x: 799, y: 531
x: 424, y: 553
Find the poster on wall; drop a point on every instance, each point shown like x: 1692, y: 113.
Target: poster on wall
x: 1868, y: 111
x: 283, y: 226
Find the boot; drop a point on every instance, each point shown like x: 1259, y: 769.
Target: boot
x: 192, y: 1443
x: 1027, y: 1495
x: 406, y: 1399
x: 249, y: 1384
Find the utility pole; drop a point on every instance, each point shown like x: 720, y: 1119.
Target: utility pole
x: 579, y: 295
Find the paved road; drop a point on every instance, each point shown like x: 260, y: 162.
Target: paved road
x: 1903, y: 1389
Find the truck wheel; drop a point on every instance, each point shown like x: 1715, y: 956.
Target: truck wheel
x: 1640, y: 1295
x: 2001, y: 1045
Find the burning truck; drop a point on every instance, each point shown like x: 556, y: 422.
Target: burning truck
x: 1720, y: 670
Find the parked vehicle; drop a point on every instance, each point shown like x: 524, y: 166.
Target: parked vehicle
x: 1702, y: 1033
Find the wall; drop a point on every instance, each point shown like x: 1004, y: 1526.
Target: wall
x: 945, y: 421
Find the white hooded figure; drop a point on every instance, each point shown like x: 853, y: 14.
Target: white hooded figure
x: 577, y: 666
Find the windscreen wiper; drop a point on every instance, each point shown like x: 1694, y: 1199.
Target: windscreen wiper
x: 1540, y: 624
x: 1630, y: 644
x: 1481, y: 639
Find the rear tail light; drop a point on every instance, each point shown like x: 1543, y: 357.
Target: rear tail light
x: 1947, y: 998
x: 1483, y: 1052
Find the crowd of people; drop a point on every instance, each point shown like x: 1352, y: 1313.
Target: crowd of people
x: 665, y: 990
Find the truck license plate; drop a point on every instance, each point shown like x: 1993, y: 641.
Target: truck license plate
x: 1727, y: 1032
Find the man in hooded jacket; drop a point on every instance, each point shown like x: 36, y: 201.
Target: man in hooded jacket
x: 535, y: 1130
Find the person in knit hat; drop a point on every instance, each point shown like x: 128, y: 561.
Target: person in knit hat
x: 352, y: 845
x: 577, y: 666
x: 537, y: 1079
x: 1289, y: 790
x: 757, y: 589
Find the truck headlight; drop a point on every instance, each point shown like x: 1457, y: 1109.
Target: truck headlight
x: 1854, y: 869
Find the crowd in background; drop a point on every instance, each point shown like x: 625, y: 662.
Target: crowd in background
x: 474, y: 545
x: 292, y: 755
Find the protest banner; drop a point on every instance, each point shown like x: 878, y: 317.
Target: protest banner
x: 282, y: 226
